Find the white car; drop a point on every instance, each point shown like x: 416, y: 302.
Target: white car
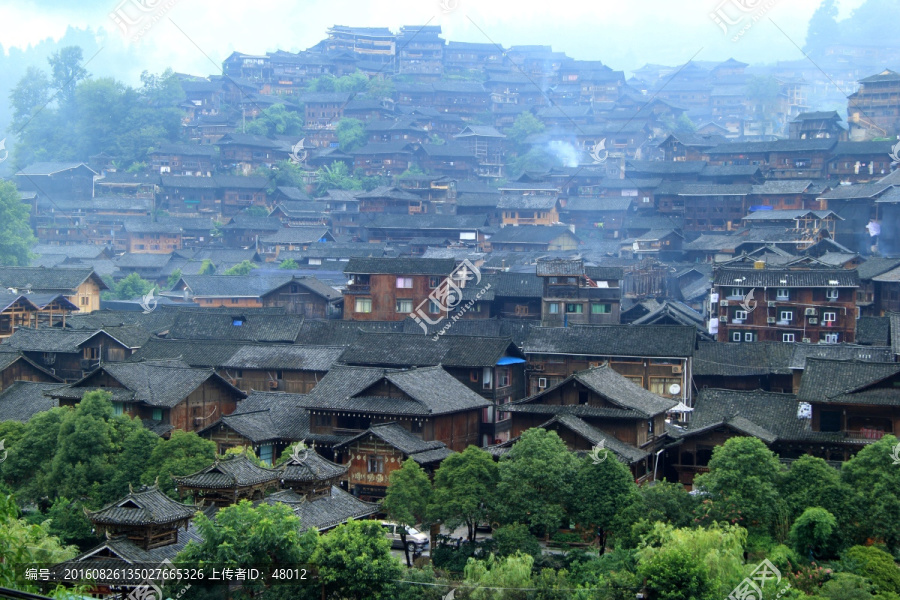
x: 416, y: 541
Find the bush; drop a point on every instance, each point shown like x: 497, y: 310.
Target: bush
x: 874, y: 564
x: 516, y: 538
x: 451, y: 557
x: 811, y: 533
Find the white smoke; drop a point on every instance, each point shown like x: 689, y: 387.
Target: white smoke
x: 564, y: 152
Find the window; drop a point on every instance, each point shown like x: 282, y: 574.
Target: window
x: 831, y: 294
x: 583, y: 397
x: 404, y: 283
x: 502, y: 416
x: 740, y: 314
x: 404, y: 306
x: 376, y: 463
x: 91, y: 353
x: 487, y: 378
x: 265, y: 454
x: 748, y: 337
x: 600, y: 309
x: 576, y: 309
x: 434, y: 281
x: 157, y: 414
x: 415, y: 427
x: 831, y: 338
x: 474, y: 375
x: 235, y: 300
x: 84, y: 300
x: 830, y: 420
x: 118, y: 408
x: 553, y: 308
x: 503, y: 377
x: 661, y: 385
x: 363, y: 305
x: 735, y: 336
x: 787, y: 315
x: 737, y: 292
x: 782, y: 294
x: 433, y: 307
x: 323, y: 421
x: 829, y: 317
x: 787, y: 337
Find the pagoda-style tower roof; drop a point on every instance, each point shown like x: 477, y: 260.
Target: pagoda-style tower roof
x: 147, y: 517
x: 228, y: 481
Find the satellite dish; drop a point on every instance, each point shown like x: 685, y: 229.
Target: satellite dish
x: 674, y: 389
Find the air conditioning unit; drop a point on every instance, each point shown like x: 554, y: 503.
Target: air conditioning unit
x: 770, y: 319
x: 273, y: 384
x: 723, y: 302
x: 542, y: 382
x: 771, y: 304
x: 810, y: 311
x: 198, y: 421
x: 676, y: 368
x: 806, y: 340
x: 723, y: 319
x: 536, y: 366
x: 813, y: 321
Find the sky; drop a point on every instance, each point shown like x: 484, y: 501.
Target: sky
x: 194, y: 36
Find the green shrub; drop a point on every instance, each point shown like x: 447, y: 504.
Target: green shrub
x: 874, y: 564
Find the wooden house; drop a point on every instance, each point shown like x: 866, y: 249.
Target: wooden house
x: 165, y: 395
x: 147, y: 517
x: 287, y: 367
x: 656, y: 357
x: 228, y: 481
x: 427, y: 402
x: 600, y: 405
x: 784, y: 304
x: 181, y: 194
x: 372, y: 455
x: 297, y: 295
x: 528, y: 209
x: 541, y: 239
x: 80, y: 286
x: 32, y: 310
x: 69, y: 354
x: 387, y: 158
x: 391, y: 289
x: 149, y: 237
x: 183, y: 159
x: 577, y: 294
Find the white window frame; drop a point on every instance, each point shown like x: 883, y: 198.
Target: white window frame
x: 553, y: 308
x: 735, y: 336
x: 356, y: 305
x: 740, y: 314
x: 404, y: 283
x: 748, y: 336
x: 831, y: 338
x: 786, y: 315
x: 736, y: 292
x: 788, y: 338
x: 782, y: 294
x: 403, y: 301
x: 829, y: 317
x: 832, y: 293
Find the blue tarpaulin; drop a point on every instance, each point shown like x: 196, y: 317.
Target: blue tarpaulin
x: 509, y: 360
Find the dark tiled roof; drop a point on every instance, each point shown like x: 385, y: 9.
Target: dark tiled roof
x: 311, y: 467
x: 751, y: 278
x: 803, y: 352
x: 156, y: 383
x: 234, y: 472
x: 296, y: 235
x: 207, y: 325
x: 846, y: 382
x: 403, y: 350
x: 275, y: 421
x: 613, y: 340
x: 873, y: 331
x: 196, y: 353
x: 430, y: 391
x: 49, y: 339
x: 331, y: 332
x: 24, y: 399
x: 285, y: 356
x: 544, y: 234
x: 325, y: 512
x: 765, y: 415
x: 527, y: 202
x: 511, y: 284
x: 147, y: 506
x: 727, y: 359
x: 401, y: 266
x: 398, y: 437
x: 623, y: 452
x: 43, y: 279
x: 876, y: 266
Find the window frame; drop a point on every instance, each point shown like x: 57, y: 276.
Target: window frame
x: 402, y: 281
x: 403, y: 301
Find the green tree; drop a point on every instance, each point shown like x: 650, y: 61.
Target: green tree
x: 66, y: 72
x: 355, y: 561
x: 464, y: 486
x: 510, y: 572
x: 743, y: 473
x: 351, y: 134
x: 525, y: 124
x: 536, y: 482
x: 874, y: 564
x: 27, y: 466
x: 694, y: 563
x: 336, y: 177
x: 380, y: 87
x: 536, y: 159
x: 823, y: 29
x: 16, y: 236
x: 132, y: 287
x: 811, y: 532
x: 406, y: 500
x: 173, y: 278
x: 207, y: 267
x: 602, y: 490
x: 662, y: 502
x: 30, y: 95
x: 516, y: 538
x: 182, y: 454
x: 66, y: 521
x: 846, y: 586
x: 256, y: 211
x: 242, y: 268
x: 873, y: 479
x: 136, y: 450
x: 276, y: 120
x: 289, y: 264
x: 265, y: 536
x: 22, y: 543
x: 285, y: 173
